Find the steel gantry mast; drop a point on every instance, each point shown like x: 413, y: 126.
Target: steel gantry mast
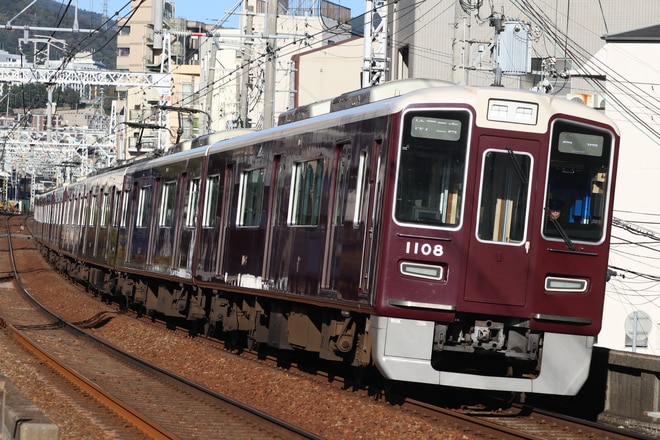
x: 375, y: 63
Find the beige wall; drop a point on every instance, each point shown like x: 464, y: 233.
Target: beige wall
x: 329, y: 72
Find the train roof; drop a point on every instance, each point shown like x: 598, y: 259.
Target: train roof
x: 396, y: 96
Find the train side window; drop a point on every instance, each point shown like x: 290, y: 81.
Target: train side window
x: 67, y: 213
x: 250, y: 198
x: 192, y: 200
x: 431, y: 168
x: 124, y: 208
x: 116, y: 205
x: 305, y: 200
x: 167, y: 200
x: 93, y: 210
x: 105, y: 201
x: 83, y: 211
x: 361, y: 187
x: 504, y: 197
x: 341, y: 190
x: 577, y: 185
x: 209, y: 217
x: 144, y: 207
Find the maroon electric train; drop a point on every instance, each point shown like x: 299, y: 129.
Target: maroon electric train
x: 449, y: 235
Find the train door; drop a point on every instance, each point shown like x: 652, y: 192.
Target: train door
x: 367, y: 211
x: 498, y: 257
x: 336, y: 211
x: 274, y: 201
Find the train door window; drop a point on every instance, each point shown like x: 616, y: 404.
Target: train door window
x: 74, y: 211
x: 279, y: 190
x: 83, y: 211
x: 192, y: 199
x: 341, y: 190
x: 167, y: 200
x: 116, y: 203
x: 124, y: 208
x: 504, y: 195
x: 209, y: 217
x: 93, y: 206
x: 144, y: 207
x: 361, y: 185
x: 78, y: 205
x: 577, y: 186
x: 250, y: 198
x: 305, y: 200
x: 431, y: 168
x: 105, y: 201
x: 66, y: 218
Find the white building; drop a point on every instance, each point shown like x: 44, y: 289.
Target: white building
x: 631, y: 62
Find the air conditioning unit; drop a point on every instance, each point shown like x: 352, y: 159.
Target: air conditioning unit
x: 588, y: 99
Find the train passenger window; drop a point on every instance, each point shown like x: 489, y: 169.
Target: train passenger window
x: 190, y: 206
x: 167, y: 200
x: 83, y: 211
x: 361, y: 185
x: 503, y: 203
x: 144, y: 207
x: 92, y: 210
x: 105, y: 201
x: 577, y: 183
x: 305, y: 200
x: 431, y: 168
x: 124, y: 208
x: 341, y: 190
x: 115, y: 208
x: 209, y: 217
x: 250, y: 198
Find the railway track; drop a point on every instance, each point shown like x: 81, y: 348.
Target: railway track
x: 157, y: 403
x: 472, y: 423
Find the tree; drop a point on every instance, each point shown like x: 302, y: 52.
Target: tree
x: 68, y: 96
x: 28, y: 96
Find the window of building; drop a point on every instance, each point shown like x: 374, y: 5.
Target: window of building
x: 123, y: 51
x: 638, y: 327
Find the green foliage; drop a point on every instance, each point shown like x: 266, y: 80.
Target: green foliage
x: 28, y: 96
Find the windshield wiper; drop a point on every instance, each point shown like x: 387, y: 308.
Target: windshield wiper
x: 560, y: 229
x: 516, y: 165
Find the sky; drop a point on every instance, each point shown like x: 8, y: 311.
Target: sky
x: 206, y: 11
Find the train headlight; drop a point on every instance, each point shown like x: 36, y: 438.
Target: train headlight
x: 426, y: 271
x: 569, y: 285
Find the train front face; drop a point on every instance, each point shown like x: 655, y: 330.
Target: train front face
x: 495, y: 244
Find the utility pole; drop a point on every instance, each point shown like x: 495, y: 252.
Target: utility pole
x: 375, y: 64
x: 245, y: 74
x: 271, y: 63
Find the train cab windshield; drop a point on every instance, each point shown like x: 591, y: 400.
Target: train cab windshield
x: 431, y: 174
x: 577, y: 185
